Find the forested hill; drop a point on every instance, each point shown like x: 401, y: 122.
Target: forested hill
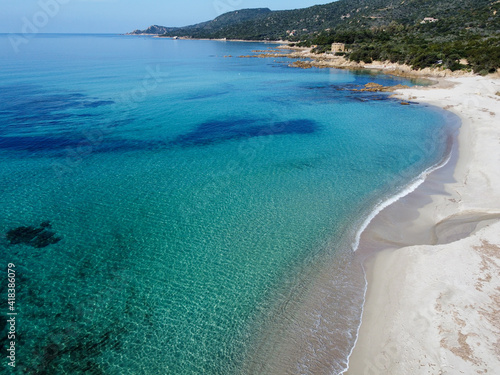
x: 262, y: 24
x: 417, y: 32
x: 206, y: 29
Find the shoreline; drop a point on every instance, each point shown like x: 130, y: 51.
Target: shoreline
x: 328, y: 60
x: 433, y: 226
x: 407, y: 190
x: 216, y: 40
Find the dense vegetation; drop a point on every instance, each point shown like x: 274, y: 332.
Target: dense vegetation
x: 210, y: 28
x: 417, y: 46
x: 463, y: 34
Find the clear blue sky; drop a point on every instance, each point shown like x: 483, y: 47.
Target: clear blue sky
x: 120, y: 16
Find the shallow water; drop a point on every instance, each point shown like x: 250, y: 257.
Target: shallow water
x: 205, y: 205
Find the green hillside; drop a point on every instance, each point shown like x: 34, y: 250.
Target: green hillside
x: 207, y: 29
x: 417, y: 32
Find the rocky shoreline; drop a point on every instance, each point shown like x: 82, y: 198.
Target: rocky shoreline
x: 306, y: 59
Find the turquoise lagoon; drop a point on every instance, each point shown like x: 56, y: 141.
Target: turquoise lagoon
x: 182, y: 208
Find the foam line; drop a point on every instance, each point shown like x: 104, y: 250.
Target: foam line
x: 378, y: 208
x: 404, y: 192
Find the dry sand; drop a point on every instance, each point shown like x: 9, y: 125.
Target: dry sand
x: 433, y: 299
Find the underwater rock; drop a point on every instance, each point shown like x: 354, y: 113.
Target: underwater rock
x: 375, y: 87
x: 301, y: 64
x: 45, y: 224
x: 36, y: 237
x: 217, y: 131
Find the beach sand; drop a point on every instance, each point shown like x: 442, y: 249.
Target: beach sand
x: 433, y: 257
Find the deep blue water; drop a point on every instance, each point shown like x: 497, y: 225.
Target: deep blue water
x: 175, y: 204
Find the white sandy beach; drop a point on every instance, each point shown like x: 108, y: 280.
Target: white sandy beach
x: 433, y: 300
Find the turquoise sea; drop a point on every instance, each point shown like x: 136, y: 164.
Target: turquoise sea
x: 171, y: 208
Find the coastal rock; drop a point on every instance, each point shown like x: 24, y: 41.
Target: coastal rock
x: 301, y: 64
x: 375, y: 87
x: 328, y: 60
